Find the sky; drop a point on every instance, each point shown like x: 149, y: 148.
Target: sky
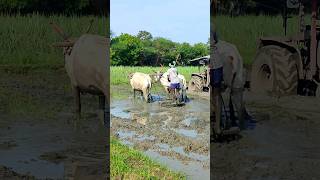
x: 177, y: 20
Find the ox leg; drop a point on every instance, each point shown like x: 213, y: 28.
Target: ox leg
x: 76, y: 94
x: 102, y: 108
x: 134, y: 93
x: 237, y: 99
x: 145, y: 95
x: 167, y: 92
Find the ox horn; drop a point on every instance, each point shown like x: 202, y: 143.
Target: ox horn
x: 90, y: 26
x: 161, y: 67
x: 59, y: 30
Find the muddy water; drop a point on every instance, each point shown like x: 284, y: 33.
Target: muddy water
x: 39, y: 135
x: 31, y: 141
x: 49, y: 150
x: 177, y: 137
x: 284, y: 144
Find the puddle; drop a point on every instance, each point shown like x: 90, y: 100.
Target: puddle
x: 33, y: 141
x: 188, y: 121
x: 128, y: 143
x: 165, y: 147
x: 188, y: 133
x: 195, y: 156
x: 193, y: 170
x: 143, y: 138
x: 180, y: 150
x: 125, y: 134
x: 130, y: 134
x: 118, y: 109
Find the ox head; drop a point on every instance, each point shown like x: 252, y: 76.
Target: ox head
x: 66, y: 43
x: 158, y: 74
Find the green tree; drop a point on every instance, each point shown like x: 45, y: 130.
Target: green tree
x: 126, y: 50
x: 186, y: 52
x: 200, y: 49
x: 144, y: 36
x: 166, y: 50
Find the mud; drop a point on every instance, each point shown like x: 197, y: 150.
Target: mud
x: 178, y: 137
x: 39, y: 135
x: 283, y: 144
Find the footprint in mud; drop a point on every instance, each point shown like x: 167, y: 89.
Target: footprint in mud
x: 8, y: 144
x: 55, y: 157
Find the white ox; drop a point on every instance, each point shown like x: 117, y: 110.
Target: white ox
x: 141, y: 82
x: 163, y: 78
x: 87, y: 64
x: 233, y: 76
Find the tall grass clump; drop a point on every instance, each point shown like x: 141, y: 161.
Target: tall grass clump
x: 27, y: 40
x: 244, y: 31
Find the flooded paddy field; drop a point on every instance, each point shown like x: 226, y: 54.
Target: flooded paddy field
x: 282, y: 144
x: 177, y: 137
x: 39, y: 136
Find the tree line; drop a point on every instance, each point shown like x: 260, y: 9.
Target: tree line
x: 256, y: 7
x: 145, y: 50
x: 48, y: 7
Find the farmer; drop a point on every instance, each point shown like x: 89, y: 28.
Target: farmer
x: 227, y: 72
x: 216, y: 74
x: 173, y: 76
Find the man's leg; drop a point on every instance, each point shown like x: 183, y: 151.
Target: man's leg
x: 215, y: 100
x: 237, y: 99
x: 217, y: 106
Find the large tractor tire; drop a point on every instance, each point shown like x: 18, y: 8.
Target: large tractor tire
x: 195, y: 84
x: 274, y: 71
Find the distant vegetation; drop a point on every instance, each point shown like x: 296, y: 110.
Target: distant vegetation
x: 27, y: 40
x: 119, y: 74
x: 244, y: 31
x: 49, y: 7
x: 145, y: 50
x: 256, y: 7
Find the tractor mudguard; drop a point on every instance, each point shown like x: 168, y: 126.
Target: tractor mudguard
x: 285, y: 43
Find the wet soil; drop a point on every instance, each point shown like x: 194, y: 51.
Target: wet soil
x: 284, y: 143
x: 39, y: 135
x: 176, y: 136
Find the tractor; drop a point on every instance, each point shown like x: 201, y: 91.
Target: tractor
x: 289, y: 65
x: 199, y: 82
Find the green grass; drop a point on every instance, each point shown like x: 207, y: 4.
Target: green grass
x: 127, y: 163
x: 119, y: 74
x: 27, y: 40
x: 244, y: 31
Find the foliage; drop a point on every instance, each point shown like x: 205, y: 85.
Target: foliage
x: 126, y: 49
x: 143, y: 49
x: 53, y: 6
x: 27, y: 40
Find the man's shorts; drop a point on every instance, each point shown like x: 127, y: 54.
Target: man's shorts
x: 175, y: 85
x: 216, y: 77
